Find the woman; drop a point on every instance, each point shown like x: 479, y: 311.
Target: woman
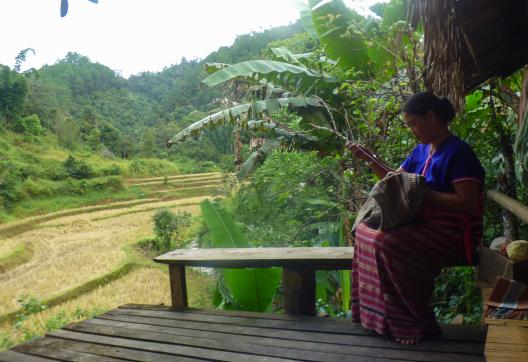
x: 393, y: 271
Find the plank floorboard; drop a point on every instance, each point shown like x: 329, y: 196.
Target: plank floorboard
x: 12, y: 356
x: 389, y: 350
x: 221, y: 344
x: 468, y: 333
x: 156, y: 333
x: 53, y: 352
x: 334, y: 333
x: 111, y: 351
x: 178, y: 350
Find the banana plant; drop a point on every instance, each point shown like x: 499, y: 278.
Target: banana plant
x: 250, y: 289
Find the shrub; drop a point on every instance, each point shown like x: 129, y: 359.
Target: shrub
x: 113, y: 170
x: 29, y: 125
x: 78, y: 169
x: 167, y: 226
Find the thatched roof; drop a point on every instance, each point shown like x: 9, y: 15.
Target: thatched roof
x: 470, y: 41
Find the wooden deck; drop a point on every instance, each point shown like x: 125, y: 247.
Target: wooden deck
x: 156, y: 333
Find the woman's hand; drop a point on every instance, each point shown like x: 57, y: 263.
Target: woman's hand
x: 361, y: 152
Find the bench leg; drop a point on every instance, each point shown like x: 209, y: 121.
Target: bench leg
x: 299, y: 291
x: 178, y: 286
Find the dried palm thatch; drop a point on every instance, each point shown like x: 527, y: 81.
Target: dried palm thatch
x: 443, y: 70
x: 470, y: 41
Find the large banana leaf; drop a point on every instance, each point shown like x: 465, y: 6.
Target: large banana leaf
x: 231, y: 115
x: 270, y: 70
x: 250, y: 289
x: 332, y: 20
x: 257, y: 158
x: 287, y: 55
x: 306, y: 18
x: 253, y: 289
x: 225, y: 233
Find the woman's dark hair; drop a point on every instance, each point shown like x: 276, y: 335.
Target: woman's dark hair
x: 421, y: 103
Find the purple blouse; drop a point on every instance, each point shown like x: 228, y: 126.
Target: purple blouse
x: 453, y: 161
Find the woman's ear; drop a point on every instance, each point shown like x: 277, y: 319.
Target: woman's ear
x: 430, y: 116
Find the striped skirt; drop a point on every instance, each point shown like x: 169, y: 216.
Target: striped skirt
x: 393, y: 273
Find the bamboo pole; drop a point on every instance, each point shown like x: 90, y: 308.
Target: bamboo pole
x: 513, y: 206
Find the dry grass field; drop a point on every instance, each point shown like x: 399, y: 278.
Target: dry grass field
x: 70, y: 251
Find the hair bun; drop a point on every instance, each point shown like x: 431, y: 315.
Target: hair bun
x: 447, y: 111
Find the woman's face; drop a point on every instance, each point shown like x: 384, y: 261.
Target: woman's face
x: 421, y: 127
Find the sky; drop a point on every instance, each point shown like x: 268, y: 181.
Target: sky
x: 131, y: 36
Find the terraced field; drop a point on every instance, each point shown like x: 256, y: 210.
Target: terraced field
x: 85, y: 257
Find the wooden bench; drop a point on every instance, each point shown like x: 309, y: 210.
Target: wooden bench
x: 298, y: 269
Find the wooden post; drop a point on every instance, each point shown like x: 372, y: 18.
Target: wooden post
x: 299, y: 290
x: 178, y: 286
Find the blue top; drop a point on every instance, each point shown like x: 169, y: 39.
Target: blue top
x: 453, y: 161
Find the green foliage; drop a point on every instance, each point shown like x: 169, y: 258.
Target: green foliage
x: 29, y: 305
x: 29, y: 125
x: 456, y: 293
x: 288, y: 198
x: 167, y: 227
x: 250, y: 288
x: 13, y: 90
x: 78, y: 169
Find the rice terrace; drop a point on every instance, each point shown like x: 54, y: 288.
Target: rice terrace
x: 85, y: 260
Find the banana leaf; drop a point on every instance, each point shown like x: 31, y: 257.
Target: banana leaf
x: 287, y: 55
x: 332, y: 20
x: 253, y: 289
x: 225, y: 233
x: 270, y: 70
x: 257, y: 157
x: 250, y: 289
x: 233, y: 114
x: 306, y: 18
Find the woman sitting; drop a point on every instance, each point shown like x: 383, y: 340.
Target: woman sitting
x: 393, y: 271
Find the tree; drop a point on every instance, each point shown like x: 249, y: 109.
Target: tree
x: 13, y: 90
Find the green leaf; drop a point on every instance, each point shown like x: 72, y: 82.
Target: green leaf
x: 225, y: 233
x: 211, y: 68
x: 269, y: 69
x: 253, y: 289
x: 306, y: 18
x: 285, y: 54
x: 233, y: 114
x: 257, y: 157
x: 332, y: 21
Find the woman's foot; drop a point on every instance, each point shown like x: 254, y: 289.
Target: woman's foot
x: 407, y: 340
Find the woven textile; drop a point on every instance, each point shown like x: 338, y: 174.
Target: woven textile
x: 393, y: 272
x: 394, y: 201
x: 508, y: 300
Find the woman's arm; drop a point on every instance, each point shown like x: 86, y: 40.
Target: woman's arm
x: 465, y: 198
x: 378, y: 166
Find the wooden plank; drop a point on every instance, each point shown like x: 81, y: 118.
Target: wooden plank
x: 313, y: 324
x: 216, y: 344
x: 465, y: 333
x: 347, y: 327
x: 172, y: 349
x: 61, y: 354
x: 506, y: 343
x: 178, y: 286
x: 394, y: 350
x: 317, y: 258
x: 111, y: 351
x: 299, y: 291
x: 352, y: 338
x: 12, y: 356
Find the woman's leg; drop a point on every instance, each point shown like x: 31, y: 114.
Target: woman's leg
x: 393, y: 278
